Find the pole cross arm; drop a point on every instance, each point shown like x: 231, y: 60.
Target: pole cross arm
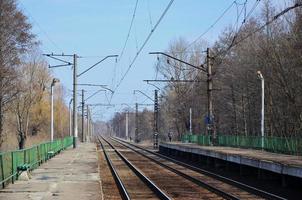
x: 101, y: 104
x: 54, y: 66
x: 201, y: 67
x: 95, y: 93
x: 66, y: 63
x: 173, y: 80
x: 88, y: 84
x: 97, y: 85
x: 96, y: 64
x: 143, y: 94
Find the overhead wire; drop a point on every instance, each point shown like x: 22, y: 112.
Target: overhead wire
x: 246, y: 16
x: 191, y: 85
x: 142, y: 46
x: 40, y: 27
x: 129, y: 30
x: 235, y: 43
x: 212, y: 25
x: 149, y: 13
x: 245, y: 20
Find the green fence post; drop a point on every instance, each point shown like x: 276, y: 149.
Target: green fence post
x: 24, y: 161
x: 2, y: 171
x: 13, y: 171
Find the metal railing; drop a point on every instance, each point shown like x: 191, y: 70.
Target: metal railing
x: 33, y: 157
x: 291, y: 146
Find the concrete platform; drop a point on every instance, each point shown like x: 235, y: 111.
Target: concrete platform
x: 277, y: 163
x: 73, y: 174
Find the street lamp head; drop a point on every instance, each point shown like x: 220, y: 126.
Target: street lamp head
x: 54, y: 81
x: 259, y: 74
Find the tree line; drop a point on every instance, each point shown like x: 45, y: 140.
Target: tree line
x: 275, y: 50
x: 25, y: 84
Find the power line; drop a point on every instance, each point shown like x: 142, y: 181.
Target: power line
x: 235, y: 43
x: 149, y: 13
x: 42, y: 30
x: 244, y: 20
x: 129, y: 31
x: 244, y: 5
x: 210, y: 27
x: 143, y: 45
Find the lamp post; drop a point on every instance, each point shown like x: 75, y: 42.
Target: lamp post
x: 54, y: 81
x: 70, y: 118
x: 260, y: 76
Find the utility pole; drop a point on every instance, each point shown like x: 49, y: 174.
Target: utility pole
x: 88, y: 124
x: 190, y: 120
x: 51, y: 112
x: 54, y: 81
x: 127, y: 121
x: 210, y: 128
x: 260, y: 76
x: 83, y: 115
x: 70, y: 118
x: 66, y: 63
x: 155, y: 136
x: 75, y: 101
x: 136, y: 123
x: 210, y: 118
x: 90, y: 127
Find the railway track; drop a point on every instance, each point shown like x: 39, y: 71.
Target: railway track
x: 233, y: 187
x: 131, y: 183
x: 174, y: 180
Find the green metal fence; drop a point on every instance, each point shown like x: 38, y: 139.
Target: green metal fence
x: 198, y: 139
x: 33, y: 157
x: 292, y: 146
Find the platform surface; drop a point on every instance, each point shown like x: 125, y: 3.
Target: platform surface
x: 72, y: 174
x: 278, y: 163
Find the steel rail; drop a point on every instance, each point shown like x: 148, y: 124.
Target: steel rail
x: 190, y: 178
x: 122, y: 189
x: 240, y: 185
x: 159, y: 193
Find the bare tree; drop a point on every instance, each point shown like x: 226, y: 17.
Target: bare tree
x: 31, y: 87
x: 15, y: 39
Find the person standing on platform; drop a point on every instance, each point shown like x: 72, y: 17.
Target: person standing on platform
x: 170, y: 136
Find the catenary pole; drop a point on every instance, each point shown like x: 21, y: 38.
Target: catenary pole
x: 51, y: 112
x: 87, y: 124
x: 262, y: 113
x: 210, y: 117
x: 70, y: 118
x: 127, y: 121
x: 136, y: 122
x: 190, y: 120
x: 155, y: 136
x: 75, y: 101
x: 83, y: 115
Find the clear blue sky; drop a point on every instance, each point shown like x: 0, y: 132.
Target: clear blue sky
x: 96, y: 28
